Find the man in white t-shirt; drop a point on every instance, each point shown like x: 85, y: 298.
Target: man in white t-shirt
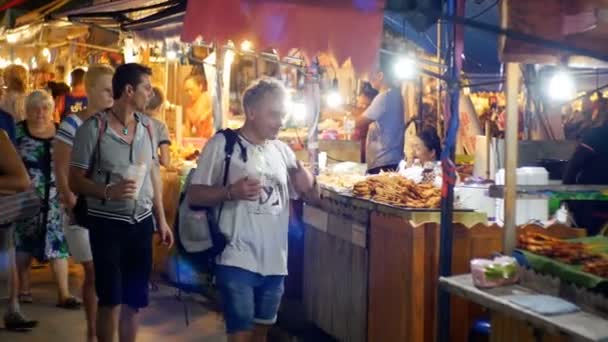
x: 255, y: 215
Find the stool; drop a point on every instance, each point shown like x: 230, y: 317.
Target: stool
x: 480, y: 332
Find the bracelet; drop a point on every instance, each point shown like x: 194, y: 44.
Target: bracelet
x: 106, y: 195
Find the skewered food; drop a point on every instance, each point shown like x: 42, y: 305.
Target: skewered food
x: 573, y: 253
x: 393, y: 189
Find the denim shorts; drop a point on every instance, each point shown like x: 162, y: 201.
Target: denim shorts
x: 248, y: 298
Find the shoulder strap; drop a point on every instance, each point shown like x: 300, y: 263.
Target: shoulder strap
x: 232, y: 138
x: 102, y: 125
x: 148, y: 124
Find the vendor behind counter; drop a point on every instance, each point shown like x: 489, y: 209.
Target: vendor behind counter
x: 386, y: 120
x: 589, y: 165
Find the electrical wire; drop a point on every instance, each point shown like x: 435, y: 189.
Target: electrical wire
x: 485, y: 10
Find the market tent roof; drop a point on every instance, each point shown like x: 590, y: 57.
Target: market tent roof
x: 40, y: 13
x: 114, y: 13
x: 580, y: 24
x: 166, y: 24
x: 344, y: 28
x: 480, y: 48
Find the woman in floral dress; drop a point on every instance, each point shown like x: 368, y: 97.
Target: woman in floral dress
x: 42, y: 237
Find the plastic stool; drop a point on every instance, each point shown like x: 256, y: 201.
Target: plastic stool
x: 480, y: 332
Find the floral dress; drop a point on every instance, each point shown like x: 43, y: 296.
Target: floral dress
x: 42, y: 236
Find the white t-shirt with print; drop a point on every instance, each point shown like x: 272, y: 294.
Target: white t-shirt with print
x: 256, y: 230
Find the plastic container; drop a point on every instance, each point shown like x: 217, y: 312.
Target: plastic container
x: 526, y: 209
x: 501, y: 271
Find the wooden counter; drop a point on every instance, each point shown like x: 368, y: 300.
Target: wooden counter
x: 578, y: 326
x: 371, y: 270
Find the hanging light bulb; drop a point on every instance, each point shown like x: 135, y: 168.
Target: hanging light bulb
x: 46, y: 53
x: 246, y: 46
x: 334, y: 99
x: 561, y: 86
x: 405, y: 68
x: 171, y: 55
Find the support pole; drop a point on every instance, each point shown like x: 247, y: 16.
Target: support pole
x: 511, y: 143
x: 456, y: 44
x: 313, y: 106
x: 440, y: 61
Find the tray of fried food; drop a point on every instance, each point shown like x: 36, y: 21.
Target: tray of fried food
x: 393, y: 189
x: 573, y: 253
x: 598, y: 267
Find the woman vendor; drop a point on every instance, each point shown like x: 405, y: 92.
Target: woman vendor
x: 589, y: 165
x: 427, y: 147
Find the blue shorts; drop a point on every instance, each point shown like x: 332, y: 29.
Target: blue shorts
x: 248, y: 298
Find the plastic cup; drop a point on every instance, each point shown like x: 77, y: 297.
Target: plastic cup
x: 136, y: 172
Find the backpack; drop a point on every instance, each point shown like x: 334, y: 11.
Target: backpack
x: 198, y: 236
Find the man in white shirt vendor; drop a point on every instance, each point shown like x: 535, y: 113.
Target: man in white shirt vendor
x: 386, y: 120
x: 255, y: 215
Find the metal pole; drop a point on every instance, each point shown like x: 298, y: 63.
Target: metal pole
x: 440, y: 61
x: 447, y: 201
x: 313, y: 103
x: 420, y: 119
x: 511, y: 142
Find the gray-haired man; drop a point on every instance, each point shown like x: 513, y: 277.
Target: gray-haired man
x: 255, y: 215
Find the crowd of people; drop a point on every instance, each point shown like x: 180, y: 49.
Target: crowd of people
x: 38, y: 131
x: 92, y: 152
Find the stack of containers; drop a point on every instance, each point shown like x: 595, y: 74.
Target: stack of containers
x: 526, y: 209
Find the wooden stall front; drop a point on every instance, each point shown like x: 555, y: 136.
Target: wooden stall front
x: 370, y: 271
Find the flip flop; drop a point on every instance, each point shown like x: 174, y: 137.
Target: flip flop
x: 70, y: 304
x: 26, y: 298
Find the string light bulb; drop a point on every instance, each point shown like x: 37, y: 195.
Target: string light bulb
x: 246, y: 46
x: 561, y: 86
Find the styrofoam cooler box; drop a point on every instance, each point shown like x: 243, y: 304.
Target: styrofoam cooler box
x: 475, y: 197
x: 526, y: 209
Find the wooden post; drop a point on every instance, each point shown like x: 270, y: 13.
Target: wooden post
x: 511, y: 142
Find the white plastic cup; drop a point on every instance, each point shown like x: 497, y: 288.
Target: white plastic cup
x: 136, y: 172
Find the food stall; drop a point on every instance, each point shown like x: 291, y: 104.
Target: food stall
x: 556, y: 291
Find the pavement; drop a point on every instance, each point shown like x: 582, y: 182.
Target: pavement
x: 163, y: 320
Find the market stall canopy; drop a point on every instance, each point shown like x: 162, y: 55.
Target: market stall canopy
x: 166, y: 24
x: 480, y: 47
x: 344, y: 28
x: 112, y: 14
x: 40, y: 13
x: 581, y: 24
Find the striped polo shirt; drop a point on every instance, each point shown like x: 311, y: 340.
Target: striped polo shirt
x: 67, y: 129
x: 115, y: 157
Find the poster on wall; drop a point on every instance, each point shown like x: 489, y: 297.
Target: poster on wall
x: 470, y: 127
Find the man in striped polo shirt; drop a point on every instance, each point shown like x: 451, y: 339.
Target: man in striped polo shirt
x: 120, y: 215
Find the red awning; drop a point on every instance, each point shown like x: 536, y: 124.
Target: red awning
x: 344, y: 28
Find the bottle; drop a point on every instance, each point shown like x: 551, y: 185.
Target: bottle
x: 349, y: 125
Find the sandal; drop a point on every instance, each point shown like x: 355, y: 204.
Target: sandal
x: 15, y: 321
x: 71, y: 303
x: 26, y: 298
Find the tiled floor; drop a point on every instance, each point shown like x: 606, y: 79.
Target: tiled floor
x: 163, y: 320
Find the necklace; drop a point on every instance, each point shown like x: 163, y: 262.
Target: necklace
x: 125, y: 129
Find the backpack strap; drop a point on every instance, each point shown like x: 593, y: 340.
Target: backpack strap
x: 232, y: 138
x: 147, y: 123
x: 102, y: 125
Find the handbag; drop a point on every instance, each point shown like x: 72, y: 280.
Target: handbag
x: 18, y: 207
